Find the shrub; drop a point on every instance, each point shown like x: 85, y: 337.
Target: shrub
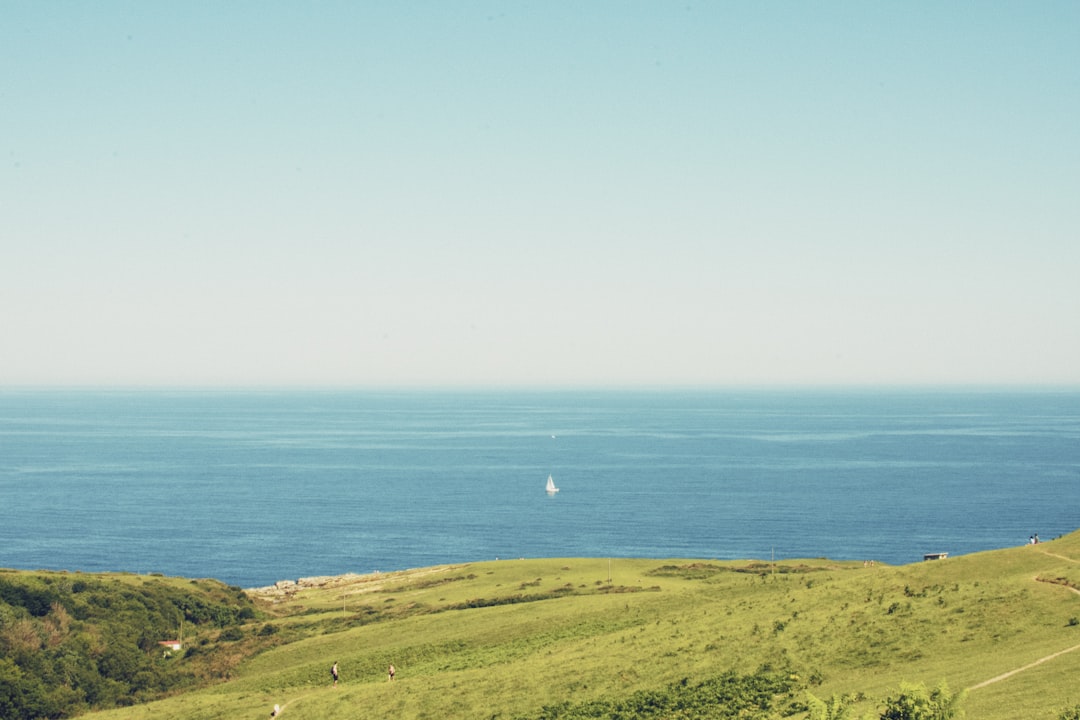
x: 837, y: 708
x: 747, y: 697
x: 231, y: 634
x: 914, y: 702
x: 1072, y: 713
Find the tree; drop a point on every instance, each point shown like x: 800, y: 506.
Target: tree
x: 22, y: 696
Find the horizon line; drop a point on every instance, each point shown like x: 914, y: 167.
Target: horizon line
x: 540, y: 388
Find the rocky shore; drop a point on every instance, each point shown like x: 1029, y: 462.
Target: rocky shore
x: 287, y: 588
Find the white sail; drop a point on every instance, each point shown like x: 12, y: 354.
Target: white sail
x: 551, y: 485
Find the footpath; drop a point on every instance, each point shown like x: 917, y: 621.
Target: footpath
x: 1041, y: 660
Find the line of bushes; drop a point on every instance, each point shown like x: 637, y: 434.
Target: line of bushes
x: 724, y: 697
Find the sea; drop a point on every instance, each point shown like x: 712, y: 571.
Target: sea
x: 255, y: 486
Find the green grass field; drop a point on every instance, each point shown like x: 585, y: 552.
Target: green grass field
x: 505, y: 639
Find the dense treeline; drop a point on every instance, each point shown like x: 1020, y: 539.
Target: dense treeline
x: 70, y: 643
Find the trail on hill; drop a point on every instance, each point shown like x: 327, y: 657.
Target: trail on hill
x: 1070, y: 588
x: 1059, y: 557
x: 1041, y: 660
x: 1009, y: 674
x: 284, y: 706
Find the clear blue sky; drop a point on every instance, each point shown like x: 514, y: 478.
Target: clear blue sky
x: 539, y: 193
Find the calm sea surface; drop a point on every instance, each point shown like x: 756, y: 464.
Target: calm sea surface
x: 254, y: 487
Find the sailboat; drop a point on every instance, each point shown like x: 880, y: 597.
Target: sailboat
x: 551, y: 489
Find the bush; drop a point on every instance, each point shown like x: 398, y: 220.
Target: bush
x: 747, y: 697
x: 231, y: 634
x: 914, y: 702
x: 837, y: 708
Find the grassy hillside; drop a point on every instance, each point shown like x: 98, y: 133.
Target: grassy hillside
x: 533, y: 638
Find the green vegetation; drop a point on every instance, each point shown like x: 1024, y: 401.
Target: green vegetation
x: 728, y: 696
x: 73, y: 642
x: 576, y: 638
x: 915, y: 702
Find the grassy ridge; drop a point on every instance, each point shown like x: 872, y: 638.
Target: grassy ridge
x: 508, y: 639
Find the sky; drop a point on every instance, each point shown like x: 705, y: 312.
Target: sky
x: 495, y: 194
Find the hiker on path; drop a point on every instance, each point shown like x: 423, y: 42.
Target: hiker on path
x: 334, y: 674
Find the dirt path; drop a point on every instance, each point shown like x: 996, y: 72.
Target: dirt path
x: 285, y: 705
x: 1059, y: 557
x: 1041, y: 660
x: 1070, y: 588
x: 1009, y: 674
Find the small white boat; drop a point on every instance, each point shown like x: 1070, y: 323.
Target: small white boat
x: 551, y: 489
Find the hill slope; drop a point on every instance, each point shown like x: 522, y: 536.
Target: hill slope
x: 517, y: 639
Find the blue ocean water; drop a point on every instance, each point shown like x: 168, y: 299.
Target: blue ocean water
x: 253, y: 487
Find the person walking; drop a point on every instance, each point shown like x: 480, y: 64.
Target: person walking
x: 391, y: 671
x: 334, y: 674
